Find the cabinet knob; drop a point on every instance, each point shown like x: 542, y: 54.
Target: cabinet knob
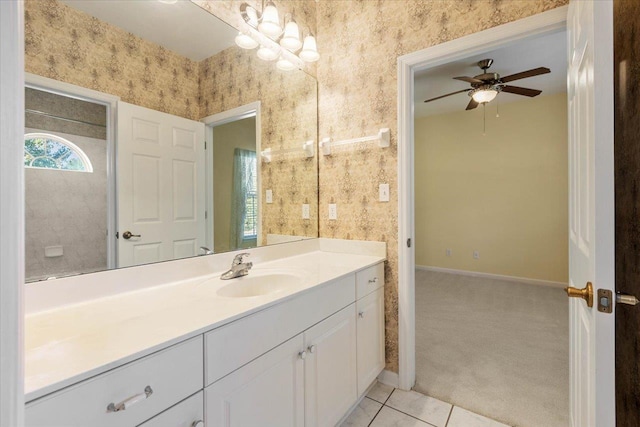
x: 302, y: 355
x: 311, y: 348
x: 374, y: 280
x: 361, y: 315
x: 198, y: 423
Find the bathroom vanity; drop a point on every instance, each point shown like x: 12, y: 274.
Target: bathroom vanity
x: 295, y: 342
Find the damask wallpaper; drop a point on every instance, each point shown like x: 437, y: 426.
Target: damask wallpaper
x: 360, y: 42
x: 65, y: 44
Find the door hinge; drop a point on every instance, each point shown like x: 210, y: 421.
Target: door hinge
x: 206, y: 214
x: 205, y: 145
x: 117, y: 234
x: 408, y: 243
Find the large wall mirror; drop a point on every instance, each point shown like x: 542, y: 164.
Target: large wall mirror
x: 150, y: 137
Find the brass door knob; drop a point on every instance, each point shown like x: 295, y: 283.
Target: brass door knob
x: 586, y: 293
x: 127, y: 235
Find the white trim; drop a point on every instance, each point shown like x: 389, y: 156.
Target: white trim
x: 110, y: 102
x: 526, y: 280
x: 11, y: 213
x: 389, y: 378
x: 503, y: 35
x: 238, y: 113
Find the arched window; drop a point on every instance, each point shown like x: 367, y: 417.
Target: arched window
x: 46, y: 151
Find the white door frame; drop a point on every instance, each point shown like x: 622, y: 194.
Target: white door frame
x: 500, y: 36
x: 110, y: 102
x: 11, y: 213
x: 244, y: 111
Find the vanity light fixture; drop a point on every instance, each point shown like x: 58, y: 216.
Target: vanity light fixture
x: 263, y: 31
x: 168, y: 1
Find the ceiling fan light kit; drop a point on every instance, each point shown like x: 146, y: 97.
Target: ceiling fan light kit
x: 486, y: 86
x: 275, y: 42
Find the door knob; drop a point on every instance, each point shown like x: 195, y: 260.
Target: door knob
x: 586, y: 293
x: 127, y: 235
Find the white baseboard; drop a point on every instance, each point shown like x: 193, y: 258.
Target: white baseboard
x: 389, y: 378
x: 526, y: 280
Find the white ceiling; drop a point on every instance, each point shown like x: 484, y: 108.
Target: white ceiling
x: 546, y: 51
x: 183, y: 27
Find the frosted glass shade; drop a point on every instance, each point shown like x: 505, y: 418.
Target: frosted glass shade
x: 267, y: 54
x: 270, y: 24
x: 285, y: 65
x: 245, y: 41
x: 483, y: 96
x: 291, y: 38
x: 309, y: 51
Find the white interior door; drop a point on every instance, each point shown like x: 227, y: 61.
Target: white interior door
x: 161, y: 186
x: 591, y: 210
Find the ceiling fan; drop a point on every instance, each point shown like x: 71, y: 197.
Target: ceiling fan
x: 486, y: 86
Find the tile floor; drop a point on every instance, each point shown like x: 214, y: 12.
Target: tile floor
x: 385, y: 406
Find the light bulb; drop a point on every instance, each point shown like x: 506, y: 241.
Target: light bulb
x: 270, y: 24
x: 168, y: 1
x: 309, y: 51
x: 267, y: 54
x: 291, y: 38
x: 482, y: 96
x: 285, y: 65
x: 245, y: 41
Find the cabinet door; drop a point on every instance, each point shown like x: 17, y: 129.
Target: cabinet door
x: 188, y: 413
x: 370, y: 338
x: 267, y: 392
x: 330, y: 369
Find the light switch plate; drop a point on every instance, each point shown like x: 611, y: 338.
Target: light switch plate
x: 384, y: 192
x: 269, y: 196
x: 333, y: 211
x: 305, y: 211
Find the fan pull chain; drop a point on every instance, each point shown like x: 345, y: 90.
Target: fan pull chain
x: 484, y: 119
x: 498, y: 105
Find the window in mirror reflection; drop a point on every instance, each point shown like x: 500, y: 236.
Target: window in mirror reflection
x: 46, y: 151
x: 245, y: 204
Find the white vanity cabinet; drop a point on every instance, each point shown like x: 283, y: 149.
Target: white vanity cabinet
x: 304, y: 361
x: 330, y: 368
x: 269, y: 391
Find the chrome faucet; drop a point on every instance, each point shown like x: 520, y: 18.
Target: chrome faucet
x: 205, y: 250
x: 238, y: 267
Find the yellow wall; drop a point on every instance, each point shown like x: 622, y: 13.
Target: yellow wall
x: 503, y: 194
x: 226, y: 138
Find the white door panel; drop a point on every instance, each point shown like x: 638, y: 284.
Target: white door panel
x: 161, y: 188
x: 591, y: 210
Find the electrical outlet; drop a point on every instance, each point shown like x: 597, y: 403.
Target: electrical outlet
x: 384, y: 192
x: 448, y: 252
x: 476, y: 254
x: 333, y: 211
x: 269, y: 196
x: 305, y: 211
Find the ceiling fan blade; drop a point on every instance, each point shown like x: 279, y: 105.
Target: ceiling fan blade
x: 449, y: 94
x: 472, y: 104
x: 525, y: 74
x: 521, y: 91
x: 469, y: 79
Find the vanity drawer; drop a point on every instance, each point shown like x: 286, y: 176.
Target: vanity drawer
x: 188, y: 413
x: 369, y: 279
x: 172, y: 375
x: 238, y: 343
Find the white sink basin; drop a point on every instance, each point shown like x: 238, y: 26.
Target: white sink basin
x: 259, y: 283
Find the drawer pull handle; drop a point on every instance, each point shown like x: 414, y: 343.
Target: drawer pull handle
x: 198, y: 423
x: 117, y: 407
x: 374, y: 280
x: 361, y: 315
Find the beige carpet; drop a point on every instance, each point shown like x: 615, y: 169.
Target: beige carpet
x: 494, y: 347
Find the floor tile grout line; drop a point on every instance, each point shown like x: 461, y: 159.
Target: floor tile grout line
x: 381, y: 406
x: 409, y: 415
x: 449, y: 417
